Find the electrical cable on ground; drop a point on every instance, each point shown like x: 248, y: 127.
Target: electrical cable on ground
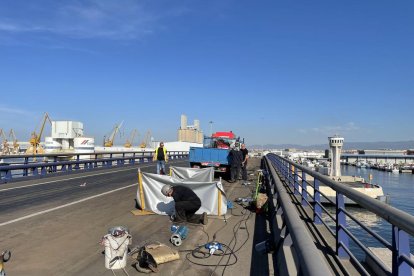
x: 227, y: 249
x: 235, y: 232
x: 236, y: 228
x: 199, y: 254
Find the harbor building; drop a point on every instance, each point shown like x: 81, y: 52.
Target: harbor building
x: 382, y: 152
x: 67, y: 136
x: 190, y: 133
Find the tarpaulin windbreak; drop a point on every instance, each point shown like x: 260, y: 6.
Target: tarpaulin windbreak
x: 150, y: 198
x: 193, y: 174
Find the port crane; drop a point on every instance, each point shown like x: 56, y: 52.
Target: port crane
x: 146, y: 141
x: 16, y: 147
x: 35, y: 138
x: 4, y: 144
x: 129, y: 141
x: 110, y: 141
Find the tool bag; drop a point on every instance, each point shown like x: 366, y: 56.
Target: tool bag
x: 149, y: 256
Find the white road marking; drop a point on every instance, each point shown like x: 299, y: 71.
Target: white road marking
x: 77, y: 177
x: 65, y: 205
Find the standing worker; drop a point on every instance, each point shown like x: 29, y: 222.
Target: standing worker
x: 245, y: 153
x: 236, y: 159
x: 161, y: 157
x: 186, y: 204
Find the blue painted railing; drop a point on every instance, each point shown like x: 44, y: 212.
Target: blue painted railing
x: 309, y: 260
x: 15, y: 166
x: 294, y: 178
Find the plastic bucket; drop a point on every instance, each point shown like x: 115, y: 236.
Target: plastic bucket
x: 116, y: 250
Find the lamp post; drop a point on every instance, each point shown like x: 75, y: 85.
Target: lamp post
x: 211, y: 127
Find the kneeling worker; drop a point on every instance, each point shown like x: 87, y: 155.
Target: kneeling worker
x: 186, y: 204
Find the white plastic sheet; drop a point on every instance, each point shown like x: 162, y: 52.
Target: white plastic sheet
x: 193, y: 174
x: 150, y: 198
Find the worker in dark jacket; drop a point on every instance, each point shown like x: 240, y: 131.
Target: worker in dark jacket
x: 245, y: 153
x: 235, y: 160
x: 186, y: 204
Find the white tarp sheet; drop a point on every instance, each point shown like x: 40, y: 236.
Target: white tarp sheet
x: 193, y: 174
x: 150, y: 198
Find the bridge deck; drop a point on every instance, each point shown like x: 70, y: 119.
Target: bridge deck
x: 53, y: 226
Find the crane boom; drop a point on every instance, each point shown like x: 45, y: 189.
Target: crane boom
x: 16, y: 147
x: 4, y: 144
x: 12, y: 135
x: 3, y: 136
x: 146, y: 141
x: 35, y: 138
x: 110, y: 141
x: 45, y: 118
x: 129, y: 141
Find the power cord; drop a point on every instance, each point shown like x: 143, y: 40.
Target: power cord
x: 236, y: 229
x: 200, y: 253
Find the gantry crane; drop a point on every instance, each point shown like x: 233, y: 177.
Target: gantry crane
x: 4, y: 143
x: 35, y: 138
x: 147, y: 140
x: 2, y: 135
x: 16, y: 147
x: 129, y: 141
x: 110, y: 141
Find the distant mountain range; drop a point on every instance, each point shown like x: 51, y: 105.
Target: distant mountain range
x: 401, y: 145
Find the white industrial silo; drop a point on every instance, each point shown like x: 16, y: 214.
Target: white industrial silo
x: 52, y: 145
x: 183, y: 121
x: 66, y: 129
x: 197, y: 124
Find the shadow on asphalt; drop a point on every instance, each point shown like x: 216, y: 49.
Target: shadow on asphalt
x: 259, y: 262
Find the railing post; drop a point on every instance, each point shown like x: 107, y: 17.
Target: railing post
x: 296, y: 181
x: 43, y: 170
x: 400, y: 246
x: 8, y: 175
x: 304, y: 190
x: 133, y: 159
x: 290, y: 174
x: 26, y: 170
x: 317, y: 213
x: 35, y: 171
x: 77, y: 162
x: 109, y: 163
x: 280, y: 161
x: 342, y: 239
x: 55, y: 166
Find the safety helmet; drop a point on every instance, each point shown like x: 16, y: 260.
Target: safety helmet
x: 166, y: 189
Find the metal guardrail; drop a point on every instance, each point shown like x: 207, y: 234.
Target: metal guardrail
x: 27, y: 165
x: 310, y: 261
x: 402, y: 223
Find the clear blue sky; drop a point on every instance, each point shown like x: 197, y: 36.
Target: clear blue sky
x: 271, y: 71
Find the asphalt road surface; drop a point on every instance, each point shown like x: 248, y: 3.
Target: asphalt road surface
x: 53, y: 226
